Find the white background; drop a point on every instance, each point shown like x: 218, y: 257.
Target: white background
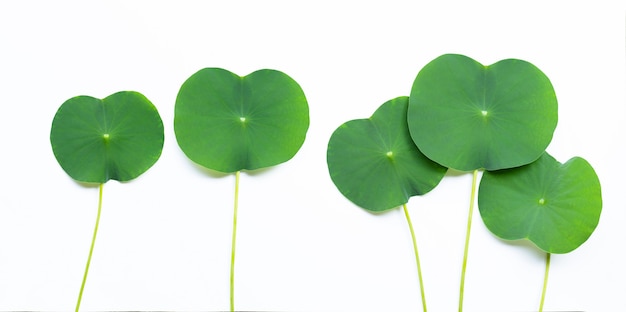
x: 164, y: 239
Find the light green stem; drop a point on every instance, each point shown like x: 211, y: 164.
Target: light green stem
x: 417, y: 257
x: 467, y: 239
x: 232, y: 255
x: 93, y: 242
x: 545, y: 282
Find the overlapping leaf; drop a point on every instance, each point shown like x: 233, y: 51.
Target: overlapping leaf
x: 556, y: 206
x: 375, y: 164
x: 468, y: 116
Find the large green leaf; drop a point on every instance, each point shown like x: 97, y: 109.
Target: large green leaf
x: 468, y: 116
x: 556, y: 206
x: 118, y: 137
x: 228, y: 123
x: 375, y: 164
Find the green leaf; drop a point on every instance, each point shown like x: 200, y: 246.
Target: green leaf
x: 375, y: 164
x: 118, y: 137
x: 468, y: 116
x: 556, y: 206
x: 228, y: 123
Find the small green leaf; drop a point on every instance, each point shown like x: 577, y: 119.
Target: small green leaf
x: 228, y: 123
x: 375, y: 164
x: 118, y: 137
x: 556, y: 206
x: 468, y: 116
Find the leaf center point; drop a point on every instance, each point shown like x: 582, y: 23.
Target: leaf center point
x: 389, y: 154
x: 484, y: 113
x: 542, y: 201
x: 242, y: 119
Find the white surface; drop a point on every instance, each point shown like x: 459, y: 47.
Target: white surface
x: 164, y: 240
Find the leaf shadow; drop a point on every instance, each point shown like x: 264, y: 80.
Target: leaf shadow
x: 378, y: 213
x: 219, y: 174
x: 526, y: 244
x: 209, y: 172
x: 88, y: 185
x: 456, y: 173
x: 259, y: 171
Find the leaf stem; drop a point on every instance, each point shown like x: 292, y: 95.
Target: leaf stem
x: 93, y: 242
x: 545, y: 282
x: 417, y: 257
x: 232, y: 255
x: 467, y: 239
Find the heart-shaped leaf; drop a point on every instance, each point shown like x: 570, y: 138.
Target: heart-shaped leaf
x: 118, y: 137
x: 468, y: 116
x: 556, y: 206
x: 375, y: 164
x: 229, y: 123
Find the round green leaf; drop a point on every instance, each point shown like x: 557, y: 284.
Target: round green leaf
x: 118, y: 137
x: 228, y: 123
x: 556, y: 206
x: 468, y: 116
x: 375, y: 164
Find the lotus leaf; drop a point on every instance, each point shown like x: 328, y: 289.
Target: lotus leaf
x: 556, y: 206
x: 375, y: 164
x: 229, y: 123
x: 468, y: 116
x: 118, y: 137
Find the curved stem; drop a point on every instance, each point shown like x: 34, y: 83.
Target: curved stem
x: 93, y: 242
x: 417, y: 257
x: 232, y: 255
x: 545, y: 282
x: 467, y: 239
